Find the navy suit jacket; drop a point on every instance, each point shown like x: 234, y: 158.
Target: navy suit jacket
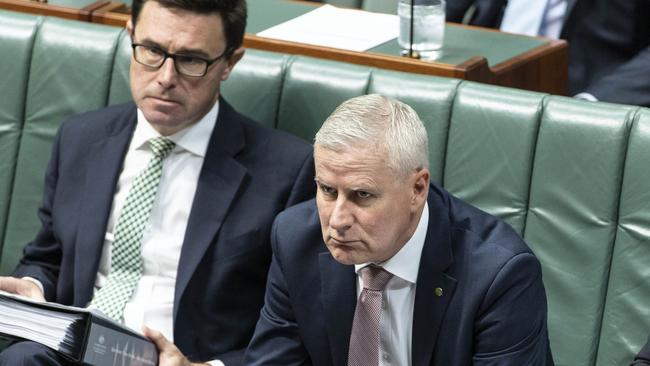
x: 609, y: 44
x: 492, y: 310
x: 250, y: 173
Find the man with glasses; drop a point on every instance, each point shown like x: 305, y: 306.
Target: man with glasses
x: 158, y: 212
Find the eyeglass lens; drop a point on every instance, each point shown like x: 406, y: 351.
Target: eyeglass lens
x: 154, y: 57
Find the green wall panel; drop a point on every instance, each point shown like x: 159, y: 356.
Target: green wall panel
x: 626, y: 323
x: 489, y: 161
x: 313, y: 88
x: 119, y: 90
x: 17, y: 33
x: 255, y: 85
x: 64, y: 80
x: 431, y: 97
x: 571, y: 221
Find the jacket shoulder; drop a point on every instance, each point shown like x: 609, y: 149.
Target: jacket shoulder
x: 480, y: 228
x: 264, y: 135
x: 297, y: 231
x: 102, y: 121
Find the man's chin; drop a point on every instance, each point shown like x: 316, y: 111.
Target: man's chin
x: 346, y: 255
x: 162, y: 120
x: 156, y: 106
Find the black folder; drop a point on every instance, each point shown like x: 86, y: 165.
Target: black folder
x: 80, y: 335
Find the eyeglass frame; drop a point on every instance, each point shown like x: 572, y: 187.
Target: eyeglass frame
x: 173, y: 56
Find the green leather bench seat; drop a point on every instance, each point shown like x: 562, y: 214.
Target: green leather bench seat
x: 570, y: 176
x: 69, y: 72
x: 16, y: 39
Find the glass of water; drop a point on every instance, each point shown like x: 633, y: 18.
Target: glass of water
x: 428, y: 25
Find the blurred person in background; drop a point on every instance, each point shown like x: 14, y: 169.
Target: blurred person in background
x: 609, y: 40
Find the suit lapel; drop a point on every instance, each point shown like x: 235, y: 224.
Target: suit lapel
x: 338, y: 294
x: 104, y: 163
x: 219, y: 180
x: 434, y: 288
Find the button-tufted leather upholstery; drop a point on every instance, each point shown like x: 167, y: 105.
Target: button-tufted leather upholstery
x: 571, y: 176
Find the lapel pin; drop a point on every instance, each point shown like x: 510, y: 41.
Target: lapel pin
x: 438, y: 291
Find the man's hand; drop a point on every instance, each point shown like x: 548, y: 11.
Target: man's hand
x: 21, y: 287
x: 169, y: 354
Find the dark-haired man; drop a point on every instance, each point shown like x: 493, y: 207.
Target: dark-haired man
x: 158, y: 212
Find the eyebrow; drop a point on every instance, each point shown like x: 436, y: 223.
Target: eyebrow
x: 182, y: 51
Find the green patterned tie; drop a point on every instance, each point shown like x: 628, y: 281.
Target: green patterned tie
x: 126, y: 259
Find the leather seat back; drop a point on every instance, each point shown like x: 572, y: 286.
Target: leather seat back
x: 69, y: 72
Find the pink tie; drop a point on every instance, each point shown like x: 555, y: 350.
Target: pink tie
x: 364, y: 340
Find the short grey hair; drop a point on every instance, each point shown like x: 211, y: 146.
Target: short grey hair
x: 376, y: 120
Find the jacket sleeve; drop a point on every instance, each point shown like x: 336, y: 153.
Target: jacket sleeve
x: 304, y: 188
x: 627, y: 84
x: 643, y: 358
x: 510, y: 328
x: 276, y: 340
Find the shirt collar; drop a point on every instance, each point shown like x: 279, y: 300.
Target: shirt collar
x: 193, y: 139
x: 401, y: 264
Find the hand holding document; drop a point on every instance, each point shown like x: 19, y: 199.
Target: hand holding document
x: 76, y: 333
x: 329, y: 26
x: 20, y: 286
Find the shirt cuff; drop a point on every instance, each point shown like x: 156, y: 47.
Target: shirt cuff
x: 36, y: 282
x: 586, y: 96
x: 216, y: 363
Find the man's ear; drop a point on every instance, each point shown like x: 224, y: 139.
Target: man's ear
x: 129, y: 28
x: 232, y: 61
x: 420, y: 185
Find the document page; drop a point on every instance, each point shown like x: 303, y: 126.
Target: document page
x: 41, y: 322
x: 329, y: 26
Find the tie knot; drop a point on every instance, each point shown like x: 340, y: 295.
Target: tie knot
x: 161, y: 146
x: 375, y: 277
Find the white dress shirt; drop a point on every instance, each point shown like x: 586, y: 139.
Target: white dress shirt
x: 538, y: 18
x: 534, y: 17
x: 152, y: 303
x: 396, y: 324
x: 153, y: 299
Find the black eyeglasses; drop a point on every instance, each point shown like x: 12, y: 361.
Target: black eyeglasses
x: 187, y: 65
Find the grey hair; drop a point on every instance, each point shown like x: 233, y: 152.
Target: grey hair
x: 376, y: 120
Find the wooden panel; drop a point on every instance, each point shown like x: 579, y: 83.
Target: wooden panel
x: 43, y: 8
x: 543, y: 68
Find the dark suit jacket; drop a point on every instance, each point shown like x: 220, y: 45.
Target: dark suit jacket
x: 492, y: 310
x: 609, y: 44
x: 250, y: 173
x: 643, y: 358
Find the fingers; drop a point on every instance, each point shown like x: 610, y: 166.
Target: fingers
x: 31, y: 290
x: 8, y: 284
x: 169, y: 354
x: 157, y: 338
x: 36, y: 294
x: 21, y: 287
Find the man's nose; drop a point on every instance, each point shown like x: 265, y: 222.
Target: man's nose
x: 341, y: 218
x: 167, y: 74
